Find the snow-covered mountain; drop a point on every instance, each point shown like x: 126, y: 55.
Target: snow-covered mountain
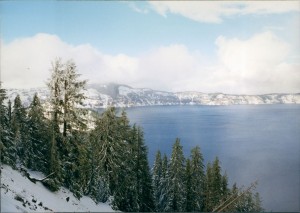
x: 102, y: 96
x: 19, y: 194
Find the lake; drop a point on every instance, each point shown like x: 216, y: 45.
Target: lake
x: 253, y: 142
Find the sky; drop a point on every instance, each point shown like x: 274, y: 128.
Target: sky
x: 235, y: 47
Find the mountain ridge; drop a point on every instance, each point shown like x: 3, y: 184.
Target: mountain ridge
x: 121, y: 95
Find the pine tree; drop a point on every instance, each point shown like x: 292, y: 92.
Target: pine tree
x: 197, y: 180
x: 257, y: 207
x: 9, y: 111
x: 156, y: 180
x: 246, y: 201
x: 216, y: 182
x: 142, y: 171
x: 164, y: 187
x: 189, y: 187
x: 208, y: 188
x: 126, y: 197
x: 38, y: 137
x: 216, y: 186
x: 224, y: 190
x: 72, y: 87
x: 20, y: 132
x: 176, y: 179
x: 7, y: 148
x: 97, y: 185
x: 111, y: 145
x: 66, y: 96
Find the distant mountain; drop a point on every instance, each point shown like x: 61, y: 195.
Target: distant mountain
x: 104, y: 95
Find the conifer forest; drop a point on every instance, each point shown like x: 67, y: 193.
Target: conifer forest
x: 105, y: 157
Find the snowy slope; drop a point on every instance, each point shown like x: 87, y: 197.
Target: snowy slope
x: 19, y: 194
x: 102, y: 96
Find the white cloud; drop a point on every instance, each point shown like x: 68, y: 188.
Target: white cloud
x: 256, y: 65
x: 215, y: 11
x: 259, y: 64
x: 26, y: 62
x: 165, y: 67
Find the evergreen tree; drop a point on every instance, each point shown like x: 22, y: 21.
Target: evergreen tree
x: 164, y: 187
x: 112, y: 148
x: 156, y: 180
x: 176, y: 180
x: 142, y: 171
x: 55, y: 89
x: 126, y: 195
x: 38, y: 137
x: 245, y: 202
x: 134, y: 190
x: 9, y: 111
x: 72, y: 90
x: 225, y: 190
x: 216, y: 186
x: 20, y: 132
x: 208, y: 188
x: 7, y: 148
x: 97, y: 185
x: 189, y: 187
x: 197, y: 180
x: 66, y: 97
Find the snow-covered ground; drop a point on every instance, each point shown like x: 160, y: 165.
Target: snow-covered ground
x: 19, y: 194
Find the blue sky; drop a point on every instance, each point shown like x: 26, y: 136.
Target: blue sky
x: 163, y: 45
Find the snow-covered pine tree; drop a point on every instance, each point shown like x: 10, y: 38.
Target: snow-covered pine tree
x: 97, y: 185
x: 112, y: 147
x: 55, y: 112
x: 224, y: 190
x: 208, y: 188
x: 197, y: 179
x: 38, y: 137
x: 7, y: 148
x: 163, y: 202
x: 73, y: 168
x: 214, y: 186
x: 142, y: 171
x: 217, y: 182
x: 19, y: 125
x: 73, y: 115
x: 156, y: 181
x: 126, y: 196
x: 189, y: 187
x: 66, y: 96
x: 176, y: 179
x: 244, y: 201
x: 9, y: 109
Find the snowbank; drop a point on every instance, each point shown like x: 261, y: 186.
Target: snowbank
x: 19, y: 194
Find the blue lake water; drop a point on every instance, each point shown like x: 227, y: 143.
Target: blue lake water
x: 252, y: 142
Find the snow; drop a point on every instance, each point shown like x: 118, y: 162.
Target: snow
x: 36, y: 174
x: 126, y: 90
x: 19, y: 194
x: 128, y: 96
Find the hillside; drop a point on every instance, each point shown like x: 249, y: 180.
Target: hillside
x: 19, y: 194
x: 102, y: 96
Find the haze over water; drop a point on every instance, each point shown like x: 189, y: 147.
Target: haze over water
x: 253, y: 142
